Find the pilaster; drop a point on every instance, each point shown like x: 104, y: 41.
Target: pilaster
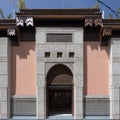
x: 114, y: 79
x: 4, y: 78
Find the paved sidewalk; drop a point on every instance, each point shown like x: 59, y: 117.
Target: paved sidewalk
x: 61, y: 117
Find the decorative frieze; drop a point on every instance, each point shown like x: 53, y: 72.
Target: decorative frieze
x: 20, y: 21
x: 23, y: 106
x: 97, y: 106
x: 93, y: 21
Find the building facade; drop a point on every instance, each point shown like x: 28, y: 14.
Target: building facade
x: 60, y: 60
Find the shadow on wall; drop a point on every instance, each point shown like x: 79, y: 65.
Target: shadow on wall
x: 22, y: 57
x: 95, y: 71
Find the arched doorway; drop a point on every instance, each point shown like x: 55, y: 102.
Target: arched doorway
x: 59, y: 90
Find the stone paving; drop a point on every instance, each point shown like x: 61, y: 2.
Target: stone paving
x: 61, y: 117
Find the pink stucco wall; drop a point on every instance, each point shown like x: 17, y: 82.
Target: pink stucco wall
x: 96, y: 69
x: 23, y: 69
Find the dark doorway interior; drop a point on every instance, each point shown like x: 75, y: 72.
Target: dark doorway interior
x: 60, y: 100
x: 59, y: 90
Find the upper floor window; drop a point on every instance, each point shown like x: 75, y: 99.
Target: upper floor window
x: 59, y: 37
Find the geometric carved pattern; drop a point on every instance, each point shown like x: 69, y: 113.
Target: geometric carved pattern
x: 13, y: 35
x: 98, y: 22
x: 97, y: 106
x: 23, y: 106
x: 19, y: 22
x: 88, y: 22
x: 106, y: 32
x: 106, y: 36
x: 11, y: 31
x: 91, y: 21
x: 29, y: 21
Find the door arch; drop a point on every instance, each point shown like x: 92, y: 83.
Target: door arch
x: 59, y: 90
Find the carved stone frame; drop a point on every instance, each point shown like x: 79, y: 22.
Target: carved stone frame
x: 74, y: 64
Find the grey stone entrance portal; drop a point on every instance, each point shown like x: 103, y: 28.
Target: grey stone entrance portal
x: 47, y: 57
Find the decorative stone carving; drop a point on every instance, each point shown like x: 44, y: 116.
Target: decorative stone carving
x: 88, y: 22
x: 106, y: 32
x: 11, y: 31
x: 29, y: 21
x: 98, y: 22
x: 106, y: 36
x: 13, y: 35
x: 19, y: 22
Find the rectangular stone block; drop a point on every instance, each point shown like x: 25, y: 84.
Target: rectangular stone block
x: 3, y: 80
x: 78, y: 93
x: 115, y: 41
x: 79, y: 59
x: 4, y: 106
x: 3, y: 40
x: 114, y: 97
x: 78, y: 37
x: 3, y: 94
x: 69, y: 48
x: 116, y: 59
x: 116, y: 68
x: 41, y: 108
x: 41, y: 81
x: 3, y: 59
x: 115, y: 107
x: 41, y: 97
x: 115, y: 117
x: 41, y: 54
x: 4, y: 68
x: 40, y: 68
x: 3, y: 50
x: 79, y: 108
x: 40, y: 36
x: 66, y: 55
x: 78, y: 54
x: 115, y: 50
x: 78, y: 68
x: 53, y: 54
x: 78, y: 80
x: 78, y: 116
x: 78, y: 48
x: 57, y: 47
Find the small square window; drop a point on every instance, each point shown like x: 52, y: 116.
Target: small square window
x: 47, y: 54
x: 59, y: 54
x: 71, y: 54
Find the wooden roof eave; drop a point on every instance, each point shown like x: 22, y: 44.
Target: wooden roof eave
x: 113, y: 27
x: 59, y: 10
x: 5, y: 23
x: 67, y: 17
